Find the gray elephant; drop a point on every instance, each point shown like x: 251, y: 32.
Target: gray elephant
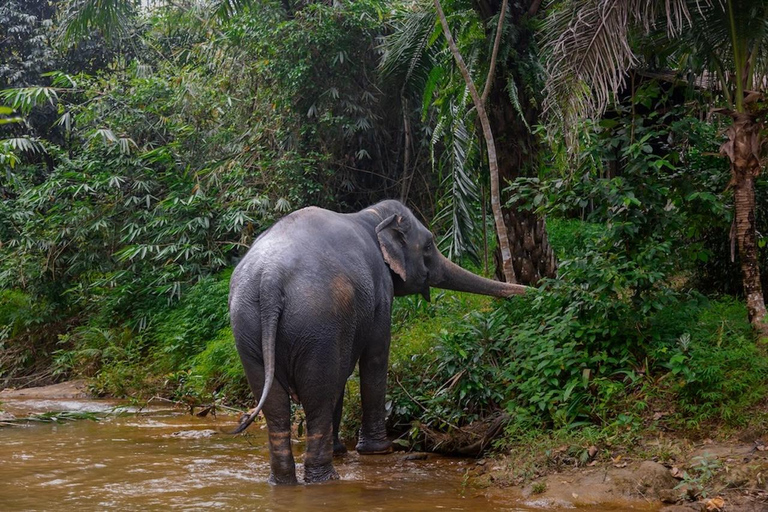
x: 312, y: 297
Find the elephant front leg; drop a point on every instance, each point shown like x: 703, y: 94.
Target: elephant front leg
x: 373, y: 388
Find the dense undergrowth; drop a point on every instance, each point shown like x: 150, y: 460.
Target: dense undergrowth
x: 575, y: 356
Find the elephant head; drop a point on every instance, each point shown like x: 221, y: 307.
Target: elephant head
x: 410, y: 251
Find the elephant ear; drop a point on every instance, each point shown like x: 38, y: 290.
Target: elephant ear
x: 391, y: 235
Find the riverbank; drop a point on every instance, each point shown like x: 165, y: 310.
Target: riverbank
x: 666, y: 472
x: 69, y: 389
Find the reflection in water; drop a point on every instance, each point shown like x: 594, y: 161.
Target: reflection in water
x: 174, y: 461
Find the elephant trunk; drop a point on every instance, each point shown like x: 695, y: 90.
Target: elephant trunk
x: 452, y: 277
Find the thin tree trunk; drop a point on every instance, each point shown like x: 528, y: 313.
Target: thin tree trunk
x: 485, y: 230
x: 501, y: 230
x: 743, y: 149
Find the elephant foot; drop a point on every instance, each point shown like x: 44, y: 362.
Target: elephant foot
x: 367, y: 446
x: 282, y: 479
x: 339, y: 448
x: 320, y: 474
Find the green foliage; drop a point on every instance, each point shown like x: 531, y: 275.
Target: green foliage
x: 718, y: 372
x: 95, y: 348
x: 416, y: 58
x: 418, y: 328
x: 217, y: 370
x: 565, y: 357
x: 697, y: 480
x: 184, y: 348
x: 182, y: 332
x: 109, y: 17
x: 28, y: 330
x: 650, y: 179
x: 581, y: 349
x: 20, y: 312
x: 156, y: 182
x: 24, y: 47
x: 569, y: 237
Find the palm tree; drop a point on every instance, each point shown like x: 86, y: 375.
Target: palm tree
x: 719, y: 44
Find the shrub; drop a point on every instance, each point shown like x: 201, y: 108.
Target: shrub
x: 29, y: 328
x: 179, y: 333
x: 217, y: 371
x: 719, y: 372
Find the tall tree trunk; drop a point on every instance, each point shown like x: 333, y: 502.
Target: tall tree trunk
x: 532, y: 255
x: 743, y: 150
x: 517, y: 148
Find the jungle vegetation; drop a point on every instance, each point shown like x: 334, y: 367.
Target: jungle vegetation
x: 144, y: 146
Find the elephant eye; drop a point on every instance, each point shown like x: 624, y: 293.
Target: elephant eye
x: 428, y: 246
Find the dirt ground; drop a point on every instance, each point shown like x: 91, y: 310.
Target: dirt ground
x: 70, y: 390
x: 708, y: 476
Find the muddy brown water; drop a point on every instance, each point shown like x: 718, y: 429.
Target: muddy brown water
x: 163, y: 459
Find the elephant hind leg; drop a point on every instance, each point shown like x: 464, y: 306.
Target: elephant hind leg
x: 318, y: 395
x: 277, y: 411
x: 318, y: 460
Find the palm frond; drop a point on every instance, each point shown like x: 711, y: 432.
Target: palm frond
x: 406, y: 56
x: 706, y: 56
x: 458, y: 214
x: 109, y: 17
x: 587, y: 43
x: 227, y: 8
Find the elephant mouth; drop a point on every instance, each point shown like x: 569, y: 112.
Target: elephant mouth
x: 425, y: 293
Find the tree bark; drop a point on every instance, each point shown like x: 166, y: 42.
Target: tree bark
x: 743, y: 150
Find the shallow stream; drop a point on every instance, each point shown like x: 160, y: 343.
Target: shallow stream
x: 166, y: 459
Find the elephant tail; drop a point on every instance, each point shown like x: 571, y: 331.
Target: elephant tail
x: 270, y: 314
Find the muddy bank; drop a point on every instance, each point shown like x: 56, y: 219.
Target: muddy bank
x: 69, y: 389
x: 710, y: 476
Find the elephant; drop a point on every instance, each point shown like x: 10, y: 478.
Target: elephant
x: 312, y: 298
